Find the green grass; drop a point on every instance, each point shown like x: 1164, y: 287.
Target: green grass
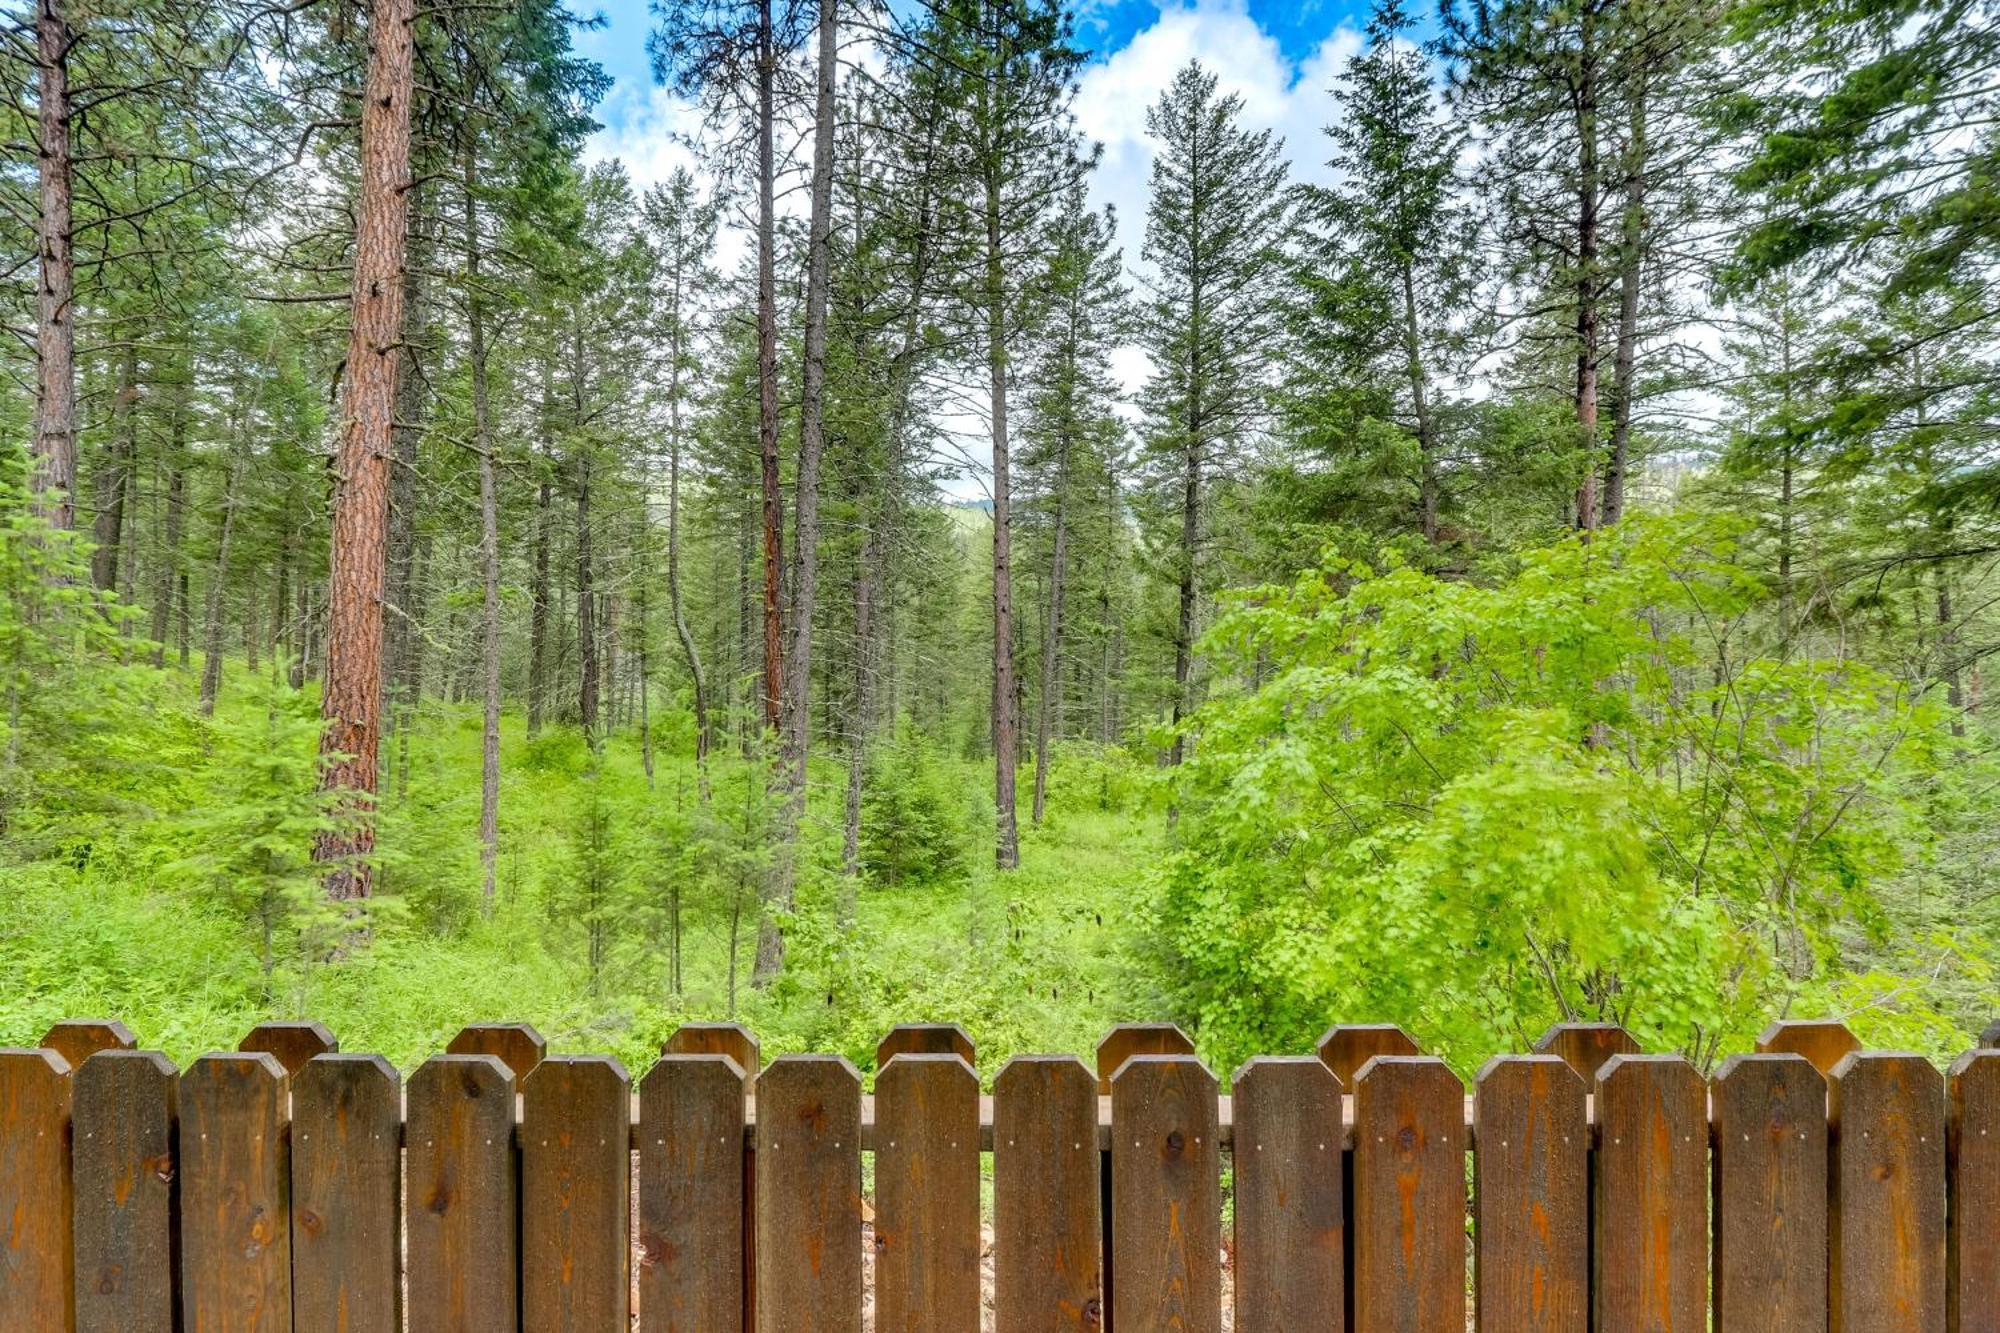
x: 112, y: 916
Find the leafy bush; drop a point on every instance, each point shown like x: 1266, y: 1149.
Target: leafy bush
x: 1479, y: 809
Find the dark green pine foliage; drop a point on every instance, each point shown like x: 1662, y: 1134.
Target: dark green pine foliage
x: 1384, y: 272
x: 1213, y: 227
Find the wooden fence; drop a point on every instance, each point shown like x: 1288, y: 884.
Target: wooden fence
x: 1812, y: 1186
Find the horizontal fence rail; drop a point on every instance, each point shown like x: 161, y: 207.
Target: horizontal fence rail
x: 289, y: 1188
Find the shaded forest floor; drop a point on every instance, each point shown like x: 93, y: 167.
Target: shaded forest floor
x: 163, y: 883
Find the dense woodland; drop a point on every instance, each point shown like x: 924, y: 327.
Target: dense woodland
x: 1548, y: 571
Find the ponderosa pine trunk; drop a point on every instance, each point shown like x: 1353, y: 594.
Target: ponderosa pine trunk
x: 352, y: 699
x: 1007, y: 837
x: 769, y: 948
x: 1587, y: 245
x: 1624, y: 362
x: 489, y: 549
x: 54, y: 448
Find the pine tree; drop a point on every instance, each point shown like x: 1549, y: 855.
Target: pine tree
x: 1213, y: 225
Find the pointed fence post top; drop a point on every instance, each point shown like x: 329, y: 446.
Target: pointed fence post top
x: 1130, y: 1039
x: 1822, y: 1041
x: 292, y: 1042
x: 1345, y: 1047
x: 77, y: 1039
x: 516, y: 1045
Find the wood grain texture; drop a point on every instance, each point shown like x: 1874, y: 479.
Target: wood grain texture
x: 576, y: 1196
x: 1290, y: 1228
x: 809, y: 1196
x: 1887, y: 1224
x: 1531, y: 1196
x: 77, y: 1039
x: 1130, y: 1039
x: 1047, y: 1270
x: 461, y: 1197
x: 924, y: 1039
x: 1822, y: 1041
x: 730, y: 1039
x: 1651, y: 1246
x: 1166, y: 1192
x: 1345, y: 1047
x: 292, y: 1042
x: 1973, y: 1225
x: 691, y: 1196
x: 123, y: 1164
x: 516, y: 1045
x: 347, y: 1170
x: 236, y: 1216
x: 1409, y: 1196
x: 926, y: 1194
x: 1586, y: 1046
x: 37, y: 1286
x: 1770, y: 1195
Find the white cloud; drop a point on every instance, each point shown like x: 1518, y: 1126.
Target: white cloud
x: 1288, y: 98
x: 649, y: 128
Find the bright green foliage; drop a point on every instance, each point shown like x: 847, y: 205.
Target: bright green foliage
x: 914, y: 822
x: 1480, y: 809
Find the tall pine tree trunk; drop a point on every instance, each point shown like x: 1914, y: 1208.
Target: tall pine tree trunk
x: 114, y: 479
x: 769, y: 948
x: 1007, y: 837
x: 586, y: 609
x: 538, y: 615
x: 489, y: 550
x: 352, y: 699
x: 704, y: 734
x: 54, y: 449
x: 218, y: 581
x: 1587, y: 245
x: 167, y: 581
x: 1624, y: 368
x: 1052, y: 633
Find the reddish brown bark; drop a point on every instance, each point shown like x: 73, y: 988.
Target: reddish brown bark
x: 54, y: 479
x: 352, y: 703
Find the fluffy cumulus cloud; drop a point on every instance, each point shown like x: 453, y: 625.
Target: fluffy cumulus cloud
x: 1288, y: 98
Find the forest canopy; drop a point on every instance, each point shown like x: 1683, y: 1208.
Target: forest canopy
x: 1527, y: 554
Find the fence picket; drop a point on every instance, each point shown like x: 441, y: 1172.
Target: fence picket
x: 1166, y: 1186
x: 1651, y: 1246
x: 576, y: 1195
x: 1886, y: 1251
x: 123, y: 1164
x: 1290, y: 1248
x: 691, y: 1196
x: 1770, y: 1194
x: 346, y: 1195
x: 461, y: 1197
x: 809, y: 1196
x: 236, y: 1229
x: 1409, y: 1195
x: 36, y: 1273
x: 1531, y: 1196
x: 926, y: 1194
x: 1047, y: 1267
x: 1973, y: 1225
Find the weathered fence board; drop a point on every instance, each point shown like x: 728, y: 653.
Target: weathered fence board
x: 691, y: 1196
x: 123, y: 1164
x: 1651, y: 1246
x: 37, y: 1285
x: 1886, y: 1251
x: 346, y: 1195
x: 1531, y: 1197
x: 1047, y: 1268
x: 1166, y: 1189
x: 236, y: 1223
x: 461, y: 1197
x: 1770, y: 1194
x: 926, y: 1194
x: 809, y: 1196
x: 1409, y: 1196
x: 239, y: 1197
x: 1973, y: 1227
x: 1290, y: 1227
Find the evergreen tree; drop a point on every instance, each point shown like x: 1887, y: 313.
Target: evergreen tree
x: 1213, y: 225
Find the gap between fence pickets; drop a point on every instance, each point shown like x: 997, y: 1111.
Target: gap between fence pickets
x: 1225, y: 1118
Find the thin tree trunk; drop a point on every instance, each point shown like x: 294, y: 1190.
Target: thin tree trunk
x: 586, y: 609
x: 54, y: 474
x: 704, y: 734
x: 351, y: 702
x: 767, y: 408
x: 120, y: 455
x: 489, y: 551
x: 1586, y: 282
x: 1427, y: 441
x: 1624, y: 368
x: 212, y: 619
x: 168, y: 581
x: 538, y: 615
x: 1007, y: 838
x: 398, y: 630
x: 1052, y: 633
